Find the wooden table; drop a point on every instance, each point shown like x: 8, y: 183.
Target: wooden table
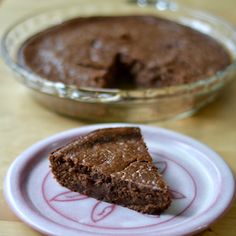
x: 24, y: 122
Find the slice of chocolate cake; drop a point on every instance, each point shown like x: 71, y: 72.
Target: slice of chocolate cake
x: 112, y: 165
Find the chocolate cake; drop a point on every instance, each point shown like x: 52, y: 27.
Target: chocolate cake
x: 123, y: 52
x: 112, y: 165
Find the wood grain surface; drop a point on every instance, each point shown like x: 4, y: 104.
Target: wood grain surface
x: 24, y: 122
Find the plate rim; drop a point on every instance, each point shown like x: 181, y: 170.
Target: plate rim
x: 228, y: 197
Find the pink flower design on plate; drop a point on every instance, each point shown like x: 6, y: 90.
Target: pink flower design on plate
x: 162, y: 166
x: 68, y: 196
x: 101, y: 211
x: 176, y: 195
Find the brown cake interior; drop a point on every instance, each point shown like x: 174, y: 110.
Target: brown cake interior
x: 112, y: 165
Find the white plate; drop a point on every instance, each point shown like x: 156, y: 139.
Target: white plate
x: 202, y: 189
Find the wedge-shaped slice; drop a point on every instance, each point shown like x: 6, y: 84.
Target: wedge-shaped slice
x: 112, y: 165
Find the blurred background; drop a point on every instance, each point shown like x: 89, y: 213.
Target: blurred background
x: 13, y: 9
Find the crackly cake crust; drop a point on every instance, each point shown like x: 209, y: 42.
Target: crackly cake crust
x: 123, y: 51
x: 112, y: 165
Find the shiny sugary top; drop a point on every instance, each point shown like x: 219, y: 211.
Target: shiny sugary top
x: 116, y: 152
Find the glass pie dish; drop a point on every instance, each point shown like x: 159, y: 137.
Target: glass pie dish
x: 134, y: 105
